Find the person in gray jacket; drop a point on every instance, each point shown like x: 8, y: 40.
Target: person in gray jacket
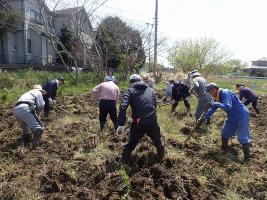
x: 198, y: 88
x: 25, y: 112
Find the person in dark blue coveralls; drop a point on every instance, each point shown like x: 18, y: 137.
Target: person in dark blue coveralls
x: 248, y: 95
x: 237, y: 117
x: 51, y: 88
x: 142, y: 100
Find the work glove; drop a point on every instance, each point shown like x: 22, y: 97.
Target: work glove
x: 173, y: 101
x: 216, y: 105
x: 200, y: 121
x: 54, y: 102
x: 120, y: 130
x: 50, y: 100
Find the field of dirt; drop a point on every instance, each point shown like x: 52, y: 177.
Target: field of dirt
x: 76, y: 161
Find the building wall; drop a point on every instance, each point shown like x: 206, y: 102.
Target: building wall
x: 20, y: 46
x: 12, y: 49
x: 4, y: 48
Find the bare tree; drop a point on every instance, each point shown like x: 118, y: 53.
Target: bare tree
x: 46, y: 21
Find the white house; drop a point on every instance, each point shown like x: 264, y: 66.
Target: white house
x: 27, y: 42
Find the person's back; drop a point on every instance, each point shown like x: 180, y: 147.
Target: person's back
x: 247, y: 93
x: 200, y: 88
x: 180, y: 90
x: 235, y: 108
x: 50, y: 86
x: 142, y: 101
x: 109, y: 91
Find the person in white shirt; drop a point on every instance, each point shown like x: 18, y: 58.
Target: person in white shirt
x: 25, y: 111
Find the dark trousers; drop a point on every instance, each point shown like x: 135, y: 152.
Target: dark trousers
x: 107, y: 107
x: 254, y: 104
x: 186, y: 104
x: 137, y: 132
x: 46, y: 106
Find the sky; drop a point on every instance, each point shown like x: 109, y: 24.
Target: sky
x: 239, y: 25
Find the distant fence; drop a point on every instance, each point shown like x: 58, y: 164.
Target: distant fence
x: 248, y: 77
x: 13, y: 67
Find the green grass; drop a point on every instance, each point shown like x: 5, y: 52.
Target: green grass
x: 257, y: 85
x: 14, y: 84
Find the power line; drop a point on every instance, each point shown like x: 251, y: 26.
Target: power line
x: 125, y: 11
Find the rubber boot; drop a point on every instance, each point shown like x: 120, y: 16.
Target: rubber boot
x: 208, y: 121
x: 45, y: 114
x: 245, y: 148
x: 224, y: 146
x: 161, y: 153
x: 102, y: 124
x: 36, y: 138
x: 26, y: 139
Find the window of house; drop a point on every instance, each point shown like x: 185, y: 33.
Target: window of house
x: 33, y: 14
x: 36, y: 16
x: 29, y: 45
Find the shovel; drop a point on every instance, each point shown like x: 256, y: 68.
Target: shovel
x: 199, y: 122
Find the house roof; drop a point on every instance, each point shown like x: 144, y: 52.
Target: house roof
x: 68, y: 11
x: 262, y: 59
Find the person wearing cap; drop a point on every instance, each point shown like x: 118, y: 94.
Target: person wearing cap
x: 199, y: 89
x: 180, y: 91
x: 25, y: 112
x: 142, y: 100
x: 248, y: 95
x: 237, y: 121
x: 149, y: 81
x: 107, y: 93
x: 51, y: 88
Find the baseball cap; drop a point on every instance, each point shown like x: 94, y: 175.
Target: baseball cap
x: 135, y: 77
x: 195, y: 73
x: 61, y: 79
x: 210, y: 86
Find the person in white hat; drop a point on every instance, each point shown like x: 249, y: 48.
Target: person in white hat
x: 142, y: 100
x: 25, y: 112
x: 198, y: 88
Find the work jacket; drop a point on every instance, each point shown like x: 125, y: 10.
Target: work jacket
x: 51, y: 88
x: 230, y: 103
x: 142, y: 100
x: 180, y: 91
x: 247, y: 93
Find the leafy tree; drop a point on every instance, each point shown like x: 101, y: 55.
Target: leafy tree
x: 66, y: 38
x: 204, y: 54
x: 120, y: 45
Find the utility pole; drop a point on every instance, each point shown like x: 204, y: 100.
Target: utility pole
x: 156, y: 43
x: 149, y: 47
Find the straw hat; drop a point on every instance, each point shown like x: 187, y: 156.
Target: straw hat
x: 39, y: 87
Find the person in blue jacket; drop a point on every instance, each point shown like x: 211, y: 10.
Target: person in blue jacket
x: 51, y: 88
x: 237, y: 117
x: 248, y: 95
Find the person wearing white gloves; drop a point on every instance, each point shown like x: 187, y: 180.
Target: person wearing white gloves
x: 51, y: 88
x: 25, y: 112
x: 142, y: 100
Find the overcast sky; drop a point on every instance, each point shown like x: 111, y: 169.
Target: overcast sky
x: 239, y: 25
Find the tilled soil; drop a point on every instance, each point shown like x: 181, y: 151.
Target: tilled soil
x: 76, y: 161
